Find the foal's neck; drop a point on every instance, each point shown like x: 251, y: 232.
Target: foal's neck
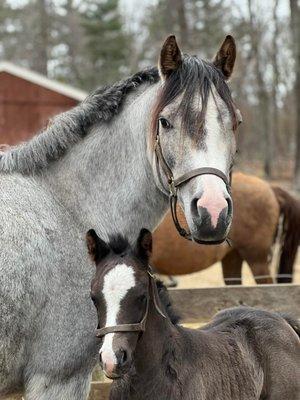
x: 156, y: 360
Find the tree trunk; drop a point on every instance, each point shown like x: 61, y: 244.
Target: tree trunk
x: 41, y: 52
x: 73, y: 39
x: 262, y: 94
x: 295, y: 28
x: 275, y: 83
x: 183, y: 29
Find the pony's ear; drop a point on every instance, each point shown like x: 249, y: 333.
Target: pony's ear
x: 170, y: 57
x: 225, y: 57
x: 97, y: 248
x: 144, y: 243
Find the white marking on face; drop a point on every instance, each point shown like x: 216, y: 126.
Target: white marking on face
x: 218, y: 144
x: 117, y: 282
x: 219, y: 147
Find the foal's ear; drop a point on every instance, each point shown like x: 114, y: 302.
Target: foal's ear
x: 225, y: 57
x: 97, y: 248
x: 144, y: 243
x: 170, y: 57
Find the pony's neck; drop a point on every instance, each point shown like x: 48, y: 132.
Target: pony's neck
x: 106, y: 181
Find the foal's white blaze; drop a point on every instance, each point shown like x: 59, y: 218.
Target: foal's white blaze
x: 117, y: 282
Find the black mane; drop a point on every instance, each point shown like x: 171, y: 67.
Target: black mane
x: 166, y: 301
x: 119, y: 244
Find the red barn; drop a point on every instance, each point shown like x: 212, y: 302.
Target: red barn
x: 28, y: 100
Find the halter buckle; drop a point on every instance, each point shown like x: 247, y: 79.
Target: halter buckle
x: 150, y: 272
x: 172, y: 187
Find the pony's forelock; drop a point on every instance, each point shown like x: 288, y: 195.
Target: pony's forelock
x: 194, y: 77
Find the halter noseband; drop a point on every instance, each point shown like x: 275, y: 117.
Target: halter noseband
x: 174, y: 184
x: 140, y: 326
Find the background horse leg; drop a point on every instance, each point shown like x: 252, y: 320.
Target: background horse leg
x: 74, y: 386
x: 172, y: 282
x: 232, y: 268
x: 261, y: 271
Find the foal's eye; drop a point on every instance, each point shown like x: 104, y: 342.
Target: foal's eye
x: 165, y: 123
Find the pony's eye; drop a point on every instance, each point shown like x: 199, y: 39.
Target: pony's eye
x: 165, y: 123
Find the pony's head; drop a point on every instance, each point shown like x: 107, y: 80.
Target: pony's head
x: 193, y: 123
x: 122, y: 290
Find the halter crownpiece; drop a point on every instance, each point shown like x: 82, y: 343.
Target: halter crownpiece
x: 174, y: 184
x: 139, y: 326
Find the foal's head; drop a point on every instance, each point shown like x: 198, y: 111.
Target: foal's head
x: 196, y: 119
x: 120, y: 292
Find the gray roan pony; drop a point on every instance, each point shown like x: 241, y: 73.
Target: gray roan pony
x: 95, y: 166
x: 243, y: 354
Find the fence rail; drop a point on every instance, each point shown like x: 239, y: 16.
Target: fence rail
x: 202, y: 304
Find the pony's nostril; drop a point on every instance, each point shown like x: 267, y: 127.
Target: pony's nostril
x: 194, y: 206
x: 124, y: 357
x: 229, y: 205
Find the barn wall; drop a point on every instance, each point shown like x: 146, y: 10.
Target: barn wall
x: 26, y: 107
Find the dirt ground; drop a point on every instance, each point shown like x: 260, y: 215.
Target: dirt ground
x: 212, y: 276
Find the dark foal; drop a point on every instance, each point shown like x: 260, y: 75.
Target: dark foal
x: 243, y: 354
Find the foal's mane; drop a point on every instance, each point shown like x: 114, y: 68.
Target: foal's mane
x: 70, y: 127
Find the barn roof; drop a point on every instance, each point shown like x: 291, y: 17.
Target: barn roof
x: 42, y: 80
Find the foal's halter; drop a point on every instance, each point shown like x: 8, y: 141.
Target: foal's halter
x: 140, y: 326
x: 174, y: 184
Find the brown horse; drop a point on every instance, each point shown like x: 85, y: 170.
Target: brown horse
x: 257, y: 210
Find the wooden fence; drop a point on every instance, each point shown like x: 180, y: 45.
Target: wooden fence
x: 199, y: 305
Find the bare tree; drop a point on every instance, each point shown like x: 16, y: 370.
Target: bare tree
x: 275, y: 111
x: 262, y: 92
x: 73, y: 39
x: 182, y: 22
x: 295, y: 28
x: 40, y: 62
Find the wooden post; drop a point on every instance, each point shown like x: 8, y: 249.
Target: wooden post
x: 99, y: 391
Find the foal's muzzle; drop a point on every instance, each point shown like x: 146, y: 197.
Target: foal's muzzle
x: 117, y: 367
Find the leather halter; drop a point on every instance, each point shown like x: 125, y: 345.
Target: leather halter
x: 152, y: 294
x: 174, y: 184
